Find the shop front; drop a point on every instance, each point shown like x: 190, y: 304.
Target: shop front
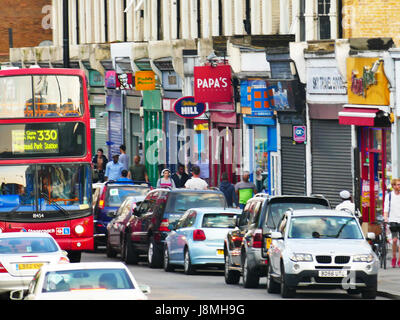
x: 368, y: 110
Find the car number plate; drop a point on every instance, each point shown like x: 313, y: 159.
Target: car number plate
x: 332, y: 273
x: 28, y: 266
x: 220, y: 252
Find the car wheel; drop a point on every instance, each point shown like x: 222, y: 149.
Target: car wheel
x: 188, y: 268
x: 272, y: 285
x: 250, y: 280
x: 153, y: 256
x: 167, y: 266
x: 368, y: 294
x: 110, y: 252
x: 130, y: 255
x: 286, y: 291
x: 231, y: 276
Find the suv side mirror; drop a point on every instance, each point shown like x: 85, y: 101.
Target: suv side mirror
x: 276, y: 235
x: 370, y: 236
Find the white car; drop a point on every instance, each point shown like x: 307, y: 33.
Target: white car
x: 83, y: 281
x: 22, y: 254
x: 320, y: 249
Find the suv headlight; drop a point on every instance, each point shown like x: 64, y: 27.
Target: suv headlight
x: 301, y: 257
x: 363, y: 258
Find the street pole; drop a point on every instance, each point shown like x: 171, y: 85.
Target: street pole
x: 65, y: 34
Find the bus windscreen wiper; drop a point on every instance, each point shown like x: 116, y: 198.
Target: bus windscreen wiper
x: 45, y: 196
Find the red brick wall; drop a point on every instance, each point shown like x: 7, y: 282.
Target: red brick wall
x: 25, y: 18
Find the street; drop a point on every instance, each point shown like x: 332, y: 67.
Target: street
x: 206, y: 285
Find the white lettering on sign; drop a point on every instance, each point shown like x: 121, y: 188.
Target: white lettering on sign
x: 189, y: 110
x: 212, y: 83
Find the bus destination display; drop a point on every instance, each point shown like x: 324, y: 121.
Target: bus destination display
x: 35, y: 141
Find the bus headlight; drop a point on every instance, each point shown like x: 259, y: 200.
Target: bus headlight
x: 79, y: 229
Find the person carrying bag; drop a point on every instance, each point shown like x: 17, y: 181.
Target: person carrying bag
x: 392, y: 216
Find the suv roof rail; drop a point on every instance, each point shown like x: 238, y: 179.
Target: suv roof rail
x: 262, y: 195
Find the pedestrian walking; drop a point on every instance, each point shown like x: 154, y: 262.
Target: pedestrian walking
x: 166, y: 181
x: 123, y: 157
x: 347, y: 202
x: 138, y: 172
x: 113, y: 169
x: 245, y: 189
x: 99, y: 162
x: 195, y: 182
x: 180, y: 177
x: 391, y: 215
x: 228, y: 189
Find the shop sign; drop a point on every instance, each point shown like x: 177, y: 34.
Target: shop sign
x: 111, y: 79
x: 213, y: 84
x: 299, y: 134
x: 95, y: 79
x: 325, y: 80
x: 145, y: 80
x: 123, y: 81
x: 187, y: 108
x: 367, y: 82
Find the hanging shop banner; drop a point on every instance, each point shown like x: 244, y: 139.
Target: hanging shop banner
x: 367, y: 82
x: 145, y: 80
x: 213, y: 84
x: 125, y: 81
x: 299, y: 134
x: 187, y: 108
x: 111, y: 79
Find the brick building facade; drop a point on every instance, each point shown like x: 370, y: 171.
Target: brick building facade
x: 25, y: 18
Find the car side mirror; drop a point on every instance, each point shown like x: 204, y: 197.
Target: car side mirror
x: 145, y: 288
x: 276, y: 235
x: 17, y: 295
x: 370, y: 236
x: 111, y: 214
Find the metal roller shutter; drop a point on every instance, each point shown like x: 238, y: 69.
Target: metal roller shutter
x: 293, y: 167
x: 331, y: 159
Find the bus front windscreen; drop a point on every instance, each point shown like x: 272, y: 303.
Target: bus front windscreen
x: 44, y: 191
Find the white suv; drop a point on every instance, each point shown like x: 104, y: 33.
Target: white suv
x: 321, y: 248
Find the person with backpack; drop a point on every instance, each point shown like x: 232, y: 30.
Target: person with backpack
x: 391, y: 215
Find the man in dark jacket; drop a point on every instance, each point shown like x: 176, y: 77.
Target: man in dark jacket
x: 228, y: 190
x: 180, y: 177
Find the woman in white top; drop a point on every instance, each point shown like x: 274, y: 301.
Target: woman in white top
x: 392, y: 215
x: 165, y: 181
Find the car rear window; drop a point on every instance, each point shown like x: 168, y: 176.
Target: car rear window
x: 278, y: 209
x: 217, y: 220
x: 180, y: 202
x: 27, y: 245
x: 85, y: 279
x: 117, y: 194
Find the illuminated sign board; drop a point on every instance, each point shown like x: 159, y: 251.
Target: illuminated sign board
x: 35, y: 141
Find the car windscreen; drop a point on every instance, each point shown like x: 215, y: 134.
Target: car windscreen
x: 117, y: 194
x: 217, y: 220
x: 27, y: 245
x: 324, y: 227
x: 86, y: 279
x: 182, y: 201
x: 278, y: 209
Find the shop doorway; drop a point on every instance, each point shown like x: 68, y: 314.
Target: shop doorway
x: 375, y: 170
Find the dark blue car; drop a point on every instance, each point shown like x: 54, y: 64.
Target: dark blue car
x: 109, y: 197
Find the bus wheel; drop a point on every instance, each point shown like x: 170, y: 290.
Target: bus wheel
x: 74, y: 256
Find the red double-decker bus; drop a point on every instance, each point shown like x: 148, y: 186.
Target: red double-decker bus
x: 45, y: 156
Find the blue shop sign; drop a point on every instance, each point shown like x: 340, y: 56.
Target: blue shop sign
x: 187, y: 108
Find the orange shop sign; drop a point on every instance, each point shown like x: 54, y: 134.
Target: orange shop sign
x: 145, y: 80
x: 367, y: 81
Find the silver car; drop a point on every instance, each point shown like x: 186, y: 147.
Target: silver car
x: 22, y: 254
x: 321, y: 248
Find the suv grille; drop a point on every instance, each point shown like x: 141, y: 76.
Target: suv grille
x: 342, y: 259
x: 324, y: 259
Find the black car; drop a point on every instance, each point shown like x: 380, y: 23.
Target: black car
x: 246, y: 247
x: 151, y: 220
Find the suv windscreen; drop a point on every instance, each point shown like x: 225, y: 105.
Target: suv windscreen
x: 180, y: 202
x: 278, y: 209
x: 117, y: 194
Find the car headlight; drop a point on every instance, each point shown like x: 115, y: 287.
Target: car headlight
x: 363, y: 258
x: 301, y: 257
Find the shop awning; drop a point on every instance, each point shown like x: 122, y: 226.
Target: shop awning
x: 358, y: 116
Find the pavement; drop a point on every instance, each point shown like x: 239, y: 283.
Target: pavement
x: 389, y: 280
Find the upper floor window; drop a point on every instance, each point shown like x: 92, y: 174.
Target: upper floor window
x: 324, y: 23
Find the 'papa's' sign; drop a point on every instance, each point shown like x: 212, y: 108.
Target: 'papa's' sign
x: 213, y: 84
x: 187, y: 108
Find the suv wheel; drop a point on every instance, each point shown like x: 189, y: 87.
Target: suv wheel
x: 286, y: 291
x: 250, y: 279
x: 272, y: 285
x: 110, y: 252
x: 153, y: 256
x: 167, y: 266
x: 130, y: 255
x: 231, y: 276
x: 370, y: 292
x: 188, y: 268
